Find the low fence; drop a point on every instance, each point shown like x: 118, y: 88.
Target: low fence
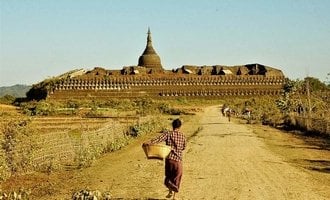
x: 65, y: 147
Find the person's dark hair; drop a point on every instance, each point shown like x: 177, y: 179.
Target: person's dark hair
x: 176, y: 123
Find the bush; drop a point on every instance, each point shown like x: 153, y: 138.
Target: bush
x: 94, y: 112
x: 144, y: 128
x: 7, y: 99
x: 86, y: 156
x: 144, y: 106
x: 166, y: 109
x: 18, y: 146
x: 73, y: 104
x: 42, y: 107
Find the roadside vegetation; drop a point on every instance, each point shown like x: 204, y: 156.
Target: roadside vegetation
x: 304, y: 104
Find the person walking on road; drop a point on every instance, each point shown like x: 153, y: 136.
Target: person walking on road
x: 173, y: 162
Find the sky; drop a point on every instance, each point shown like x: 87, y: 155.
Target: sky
x: 45, y: 38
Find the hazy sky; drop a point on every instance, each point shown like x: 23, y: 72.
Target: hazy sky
x: 44, y: 38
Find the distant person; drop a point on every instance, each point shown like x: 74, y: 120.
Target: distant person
x: 226, y: 111
x: 173, y: 162
x: 247, y: 111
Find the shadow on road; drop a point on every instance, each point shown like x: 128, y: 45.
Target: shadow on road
x: 318, y: 147
x: 302, y: 147
x: 322, y: 166
x: 319, y: 165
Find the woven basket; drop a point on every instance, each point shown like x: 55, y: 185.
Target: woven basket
x: 156, y: 151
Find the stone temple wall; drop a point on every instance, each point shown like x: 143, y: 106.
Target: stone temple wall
x: 193, y: 86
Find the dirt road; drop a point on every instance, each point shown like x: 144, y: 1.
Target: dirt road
x: 228, y: 161
x: 222, y: 161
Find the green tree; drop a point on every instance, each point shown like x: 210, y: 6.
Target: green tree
x: 316, y: 85
x: 289, y: 101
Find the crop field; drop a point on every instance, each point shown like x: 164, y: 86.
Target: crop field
x: 48, y: 143
x: 54, y: 124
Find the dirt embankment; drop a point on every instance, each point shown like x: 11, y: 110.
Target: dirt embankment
x: 223, y: 160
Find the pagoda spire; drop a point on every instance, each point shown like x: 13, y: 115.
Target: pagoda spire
x: 149, y: 57
x: 149, y: 48
x: 149, y: 40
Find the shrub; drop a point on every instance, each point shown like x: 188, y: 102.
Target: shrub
x: 144, y: 106
x: 164, y: 107
x: 94, y: 112
x: 18, y: 145
x: 86, y: 155
x: 73, y: 104
x: 37, y: 108
x: 144, y: 128
x: 48, y: 166
x: 7, y: 99
x: 117, y: 144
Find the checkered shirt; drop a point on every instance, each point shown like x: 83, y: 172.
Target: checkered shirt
x: 176, y: 140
